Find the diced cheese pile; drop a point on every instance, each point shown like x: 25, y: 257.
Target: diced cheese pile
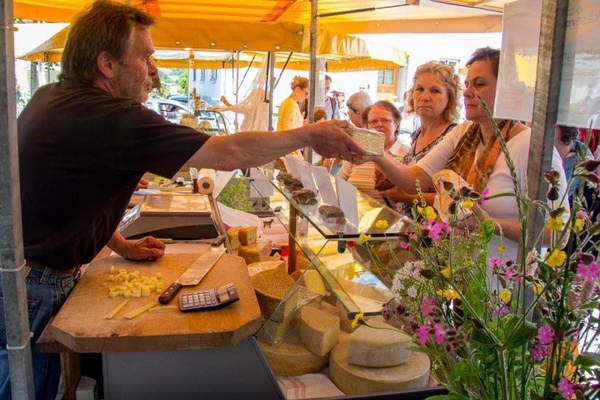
x: 133, y: 284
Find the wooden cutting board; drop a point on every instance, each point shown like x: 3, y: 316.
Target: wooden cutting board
x: 81, y: 324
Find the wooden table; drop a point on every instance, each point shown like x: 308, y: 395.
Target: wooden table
x: 81, y: 325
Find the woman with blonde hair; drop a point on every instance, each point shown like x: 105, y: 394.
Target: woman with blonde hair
x: 434, y: 98
x: 289, y: 115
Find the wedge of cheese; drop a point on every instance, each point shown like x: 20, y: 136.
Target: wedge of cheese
x: 318, y: 330
x: 312, y: 280
x: 384, y: 347
x: 276, y: 296
x: 248, y: 235
x: 255, y: 252
x: 233, y: 236
x: 357, y: 380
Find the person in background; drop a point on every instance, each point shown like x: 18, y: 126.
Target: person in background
x: 332, y: 108
x: 341, y: 99
x: 357, y: 103
x: 383, y: 117
x: 473, y: 152
x: 434, y: 97
x: 320, y: 115
x: 289, y: 116
x: 572, y: 151
x: 91, y: 127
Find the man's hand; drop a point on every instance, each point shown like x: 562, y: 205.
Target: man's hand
x: 331, y: 141
x: 144, y: 249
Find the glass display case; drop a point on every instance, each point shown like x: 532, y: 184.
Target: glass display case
x: 310, y: 336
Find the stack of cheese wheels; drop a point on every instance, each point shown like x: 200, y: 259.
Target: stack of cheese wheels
x: 377, y: 360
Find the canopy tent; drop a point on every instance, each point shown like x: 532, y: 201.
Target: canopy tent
x: 366, y: 16
x: 342, y: 52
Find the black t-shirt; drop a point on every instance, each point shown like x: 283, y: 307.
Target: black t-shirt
x: 81, y: 154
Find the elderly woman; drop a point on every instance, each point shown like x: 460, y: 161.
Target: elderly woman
x: 383, y: 117
x: 357, y: 103
x: 434, y: 97
x: 472, y: 151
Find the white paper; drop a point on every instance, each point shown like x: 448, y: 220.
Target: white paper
x: 222, y: 178
x: 305, y: 176
x: 348, y: 200
x: 290, y: 165
x: 326, y: 190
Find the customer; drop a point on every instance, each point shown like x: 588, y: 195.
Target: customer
x: 434, y: 97
x: 85, y: 142
x: 471, y: 150
x: 383, y: 117
x: 332, y: 108
x: 356, y: 105
x: 572, y: 151
x: 289, y: 115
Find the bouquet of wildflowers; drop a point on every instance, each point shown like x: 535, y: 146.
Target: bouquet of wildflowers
x: 505, y: 329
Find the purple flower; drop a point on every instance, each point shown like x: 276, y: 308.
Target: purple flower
x: 421, y: 332
x: 494, y: 263
x: 483, y: 198
x: 437, y: 231
x: 539, y: 352
x: 565, y: 388
x: 439, y: 333
x: 588, y: 272
x: 545, y: 334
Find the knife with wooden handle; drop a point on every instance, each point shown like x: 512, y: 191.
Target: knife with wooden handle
x: 194, y: 274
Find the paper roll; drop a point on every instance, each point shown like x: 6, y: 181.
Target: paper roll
x: 206, y: 181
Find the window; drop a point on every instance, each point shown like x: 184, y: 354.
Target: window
x: 451, y: 62
x: 385, y: 77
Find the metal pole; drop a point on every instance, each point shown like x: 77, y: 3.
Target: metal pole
x: 11, y: 242
x: 313, y: 72
x: 271, y: 86
x: 545, y: 106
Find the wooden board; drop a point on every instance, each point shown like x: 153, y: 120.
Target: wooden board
x: 80, y: 325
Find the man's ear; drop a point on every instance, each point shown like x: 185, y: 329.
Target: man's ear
x: 106, y: 65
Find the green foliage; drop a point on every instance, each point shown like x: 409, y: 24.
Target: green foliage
x: 235, y: 195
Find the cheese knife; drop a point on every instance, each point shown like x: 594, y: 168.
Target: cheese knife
x: 194, y: 274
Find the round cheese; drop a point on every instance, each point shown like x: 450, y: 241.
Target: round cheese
x: 318, y: 330
x: 385, y: 347
x: 292, y: 358
x: 358, y: 380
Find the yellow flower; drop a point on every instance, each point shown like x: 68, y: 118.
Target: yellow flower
x: 537, y: 289
x: 500, y: 249
x: 555, y: 258
x: 363, y: 238
x: 351, y: 271
x: 446, y: 272
x: 579, y: 225
x: 448, y: 294
x: 467, y: 204
x: 358, y: 319
x: 428, y: 212
x: 505, y: 296
x: 555, y: 223
x: 381, y: 223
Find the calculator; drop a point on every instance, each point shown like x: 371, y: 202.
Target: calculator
x: 209, y: 299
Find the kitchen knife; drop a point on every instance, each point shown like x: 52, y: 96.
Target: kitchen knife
x: 194, y: 274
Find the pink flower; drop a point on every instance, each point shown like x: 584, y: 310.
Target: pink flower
x: 439, y: 333
x: 588, y: 272
x: 545, y: 334
x: 427, y: 306
x: 539, y: 352
x: 494, y: 263
x: 421, y: 332
x: 483, y: 198
x: 565, y: 388
x: 404, y: 245
x: 438, y: 230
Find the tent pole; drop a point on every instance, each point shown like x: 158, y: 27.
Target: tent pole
x: 308, y: 156
x: 271, y: 86
x: 11, y: 238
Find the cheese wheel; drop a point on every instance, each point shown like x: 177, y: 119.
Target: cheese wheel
x: 318, y: 330
x: 274, y: 293
x: 358, y: 380
x: 255, y: 252
x: 248, y: 235
x: 292, y: 358
x: 385, y: 347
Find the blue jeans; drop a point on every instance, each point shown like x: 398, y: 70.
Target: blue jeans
x: 46, y: 292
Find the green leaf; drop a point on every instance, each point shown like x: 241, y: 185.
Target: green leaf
x: 588, y: 359
x: 518, y: 332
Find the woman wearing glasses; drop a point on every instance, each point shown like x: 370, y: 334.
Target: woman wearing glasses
x: 383, y: 117
x: 289, y: 115
x: 434, y: 98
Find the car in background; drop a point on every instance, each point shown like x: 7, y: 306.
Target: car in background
x: 170, y: 109
x: 212, y: 122
x: 186, y: 99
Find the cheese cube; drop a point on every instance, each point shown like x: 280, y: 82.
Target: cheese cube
x: 318, y: 330
x: 232, y: 235
x: 247, y: 236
